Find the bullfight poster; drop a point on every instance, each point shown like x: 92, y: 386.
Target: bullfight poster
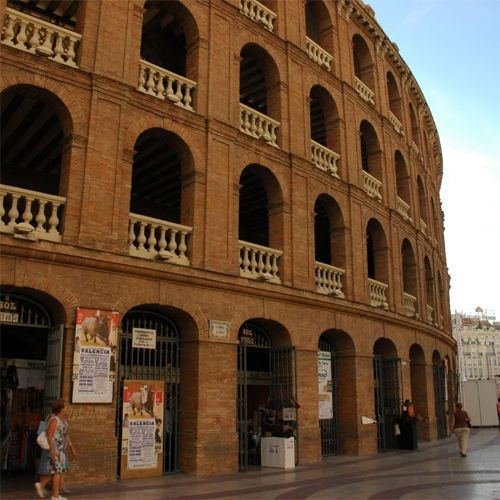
x: 94, y: 355
x: 142, y: 428
x: 325, y: 385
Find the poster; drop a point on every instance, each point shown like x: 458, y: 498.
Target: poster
x: 325, y: 385
x: 94, y: 355
x: 142, y: 427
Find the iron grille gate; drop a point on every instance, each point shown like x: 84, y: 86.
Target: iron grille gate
x: 329, y: 426
x: 438, y: 373
x: 281, y: 380
x: 161, y: 363
x: 388, y: 399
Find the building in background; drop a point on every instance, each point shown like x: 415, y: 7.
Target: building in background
x: 221, y: 219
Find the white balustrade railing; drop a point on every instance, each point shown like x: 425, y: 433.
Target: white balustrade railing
x: 259, y: 262
x: 163, y: 84
x: 258, y: 125
x: 430, y: 313
x: 403, y: 208
x: 258, y: 13
x: 372, y: 186
x: 30, y: 214
x: 398, y: 126
x: 151, y: 238
x: 365, y: 92
x: 409, y: 303
x: 377, y: 293
x: 319, y: 55
x: 325, y: 159
x: 33, y: 35
x: 423, y: 227
x: 329, y: 279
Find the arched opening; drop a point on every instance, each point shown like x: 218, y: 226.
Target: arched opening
x: 377, y: 263
x: 435, y: 221
x: 415, y: 130
x: 440, y: 394
x: 35, y: 153
x: 319, y: 25
x: 266, y: 387
x: 442, y: 301
x: 31, y: 357
x: 329, y: 243
x: 371, y: 154
x: 409, y: 278
x: 394, y: 96
x: 403, y: 185
x: 155, y: 375
x: 418, y: 380
x: 422, y: 200
x: 429, y: 291
x: 259, y: 91
x: 388, y: 396
x: 363, y: 63
x: 336, y: 370
x: 324, y: 119
x: 260, y: 222
x: 159, y: 203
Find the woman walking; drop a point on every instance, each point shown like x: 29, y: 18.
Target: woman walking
x: 461, y: 428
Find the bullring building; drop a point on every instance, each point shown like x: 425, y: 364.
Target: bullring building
x: 208, y: 200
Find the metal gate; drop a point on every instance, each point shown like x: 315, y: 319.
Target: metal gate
x: 161, y: 363
x: 388, y: 399
x: 438, y: 372
x: 272, y: 368
x: 329, y: 427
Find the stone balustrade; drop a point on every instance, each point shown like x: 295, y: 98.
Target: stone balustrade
x: 259, y: 262
x: 409, y: 303
x: 403, y: 208
x: 319, y: 55
x: 30, y: 214
x: 372, y: 186
x: 151, y: 238
x: 398, y: 126
x: 163, y: 84
x: 258, y: 125
x: 258, y: 13
x: 324, y: 159
x: 423, y: 227
x: 329, y: 279
x: 430, y: 313
x: 365, y: 92
x: 377, y: 293
x: 36, y: 36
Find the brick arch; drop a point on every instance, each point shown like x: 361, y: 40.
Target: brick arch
x: 72, y: 102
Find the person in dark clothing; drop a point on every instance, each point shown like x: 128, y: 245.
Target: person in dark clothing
x: 407, y: 439
x: 461, y: 428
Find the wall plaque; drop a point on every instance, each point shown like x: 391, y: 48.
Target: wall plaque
x: 218, y: 329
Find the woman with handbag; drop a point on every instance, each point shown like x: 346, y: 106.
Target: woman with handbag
x: 461, y: 428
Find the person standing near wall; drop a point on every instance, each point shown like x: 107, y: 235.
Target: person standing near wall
x: 461, y: 428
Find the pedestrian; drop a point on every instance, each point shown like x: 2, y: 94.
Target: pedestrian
x: 461, y: 428
x: 54, y: 461
x: 498, y: 412
x: 407, y: 438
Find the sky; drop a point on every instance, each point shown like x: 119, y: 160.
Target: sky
x: 453, y: 50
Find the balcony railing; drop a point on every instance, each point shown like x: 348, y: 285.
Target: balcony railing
x: 325, y: 159
x: 258, y: 262
x: 329, y: 279
x: 30, y: 214
x: 163, y: 84
x: 398, y: 127
x: 430, y: 313
x: 409, y: 302
x: 319, y: 55
x: 372, y: 186
x: 33, y: 35
x: 258, y: 125
x: 365, y: 92
x: 258, y: 13
x: 151, y: 238
x: 423, y: 227
x: 403, y: 209
x: 377, y: 293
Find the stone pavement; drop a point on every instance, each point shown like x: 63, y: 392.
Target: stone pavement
x: 435, y: 470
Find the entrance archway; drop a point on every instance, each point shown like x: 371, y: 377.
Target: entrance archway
x: 418, y: 380
x: 266, y: 386
x: 387, y: 372
x: 440, y: 394
x: 160, y: 364
x: 31, y: 347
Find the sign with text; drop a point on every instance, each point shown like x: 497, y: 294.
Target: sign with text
x: 8, y: 311
x: 144, y: 338
x: 218, y: 329
x: 325, y: 385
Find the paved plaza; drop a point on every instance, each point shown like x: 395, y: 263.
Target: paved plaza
x: 435, y: 470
